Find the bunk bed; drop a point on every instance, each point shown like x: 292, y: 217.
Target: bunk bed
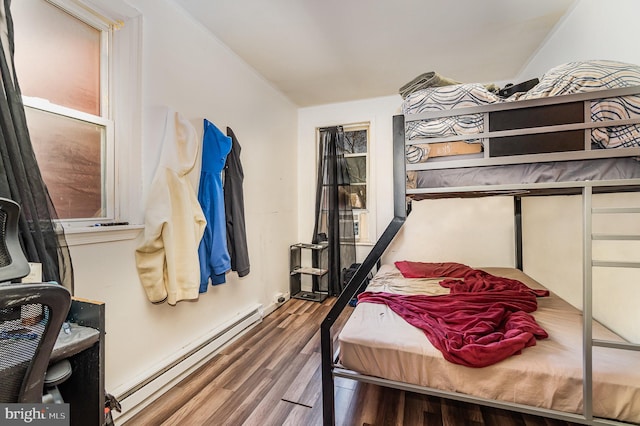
x: 565, y: 141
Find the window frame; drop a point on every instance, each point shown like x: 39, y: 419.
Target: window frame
x: 121, y: 111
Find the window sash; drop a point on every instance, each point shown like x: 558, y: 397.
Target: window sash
x: 105, y: 25
x: 357, y: 127
x: 108, y: 160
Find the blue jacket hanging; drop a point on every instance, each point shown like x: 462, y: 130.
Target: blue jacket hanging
x: 213, y: 252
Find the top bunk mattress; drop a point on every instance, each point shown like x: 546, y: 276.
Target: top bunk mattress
x: 376, y: 341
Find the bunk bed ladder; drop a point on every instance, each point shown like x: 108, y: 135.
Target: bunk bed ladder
x: 589, y: 263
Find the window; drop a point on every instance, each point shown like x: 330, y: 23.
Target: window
x: 356, y: 154
x: 355, y: 149
x: 66, y: 106
x: 91, y: 58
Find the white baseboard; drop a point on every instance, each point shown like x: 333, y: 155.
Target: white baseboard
x: 140, y: 392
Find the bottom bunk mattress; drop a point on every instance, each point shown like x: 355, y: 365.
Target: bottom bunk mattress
x: 377, y: 342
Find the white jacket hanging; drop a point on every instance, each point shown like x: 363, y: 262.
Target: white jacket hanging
x: 167, y: 259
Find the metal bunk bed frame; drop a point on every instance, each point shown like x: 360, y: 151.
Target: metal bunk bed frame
x: 330, y: 368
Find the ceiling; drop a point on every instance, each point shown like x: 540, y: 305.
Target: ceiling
x: 325, y: 51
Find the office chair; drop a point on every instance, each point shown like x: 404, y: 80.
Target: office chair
x: 31, y: 316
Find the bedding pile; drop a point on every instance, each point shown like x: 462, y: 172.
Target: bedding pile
x: 590, y: 76
x: 444, y: 99
x: 424, y: 81
x: 569, y: 78
x: 483, y: 320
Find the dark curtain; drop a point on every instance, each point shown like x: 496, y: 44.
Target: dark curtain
x: 20, y: 180
x: 334, y: 219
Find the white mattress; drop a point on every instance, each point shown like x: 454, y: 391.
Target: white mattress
x: 377, y: 342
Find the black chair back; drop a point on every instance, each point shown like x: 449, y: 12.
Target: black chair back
x: 13, y: 263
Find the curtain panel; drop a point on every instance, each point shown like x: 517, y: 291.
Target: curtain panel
x: 333, y: 215
x: 41, y: 236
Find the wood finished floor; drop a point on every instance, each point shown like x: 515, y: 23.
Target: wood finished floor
x: 271, y: 376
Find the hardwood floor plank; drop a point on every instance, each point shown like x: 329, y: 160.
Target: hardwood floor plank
x: 277, y: 415
x: 296, y: 339
x: 300, y: 415
x: 416, y: 409
x: 452, y: 414
x: 390, y: 408
x: 259, y: 332
x: 197, y: 411
x: 282, y: 378
x: 313, y: 391
x: 253, y: 360
x: 304, y: 378
x: 494, y: 416
x: 471, y: 413
x: 433, y: 412
x: 244, y: 400
x: 533, y: 420
x: 367, y: 400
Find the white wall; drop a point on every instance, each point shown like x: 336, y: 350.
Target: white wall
x: 592, y: 30
x: 186, y: 68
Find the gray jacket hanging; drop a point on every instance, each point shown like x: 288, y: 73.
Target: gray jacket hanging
x: 234, y: 209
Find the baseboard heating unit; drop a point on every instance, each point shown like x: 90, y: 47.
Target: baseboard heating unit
x: 144, y: 390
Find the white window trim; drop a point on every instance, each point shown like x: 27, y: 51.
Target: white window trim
x: 85, y: 12
x: 101, y: 234
x: 124, y: 107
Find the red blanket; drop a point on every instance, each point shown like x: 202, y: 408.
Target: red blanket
x: 484, y: 320
x: 474, y: 280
